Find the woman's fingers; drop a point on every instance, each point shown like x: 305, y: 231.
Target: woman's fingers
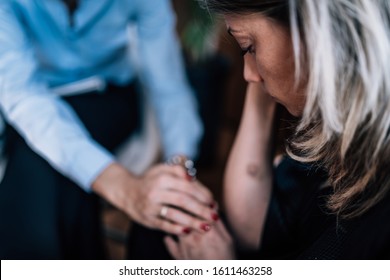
x: 187, y: 221
x: 192, y: 189
x: 173, y: 170
x: 173, y: 248
x: 170, y: 202
x: 170, y: 227
x: 199, y: 191
x: 175, y: 177
x: 221, y: 228
x: 189, y: 204
x: 212, y: 245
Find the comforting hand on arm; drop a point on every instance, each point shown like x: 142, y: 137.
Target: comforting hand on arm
x: 143, y: 198
x: 247, y: 188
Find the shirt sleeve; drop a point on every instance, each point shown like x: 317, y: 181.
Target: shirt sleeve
x: 49, y: 126
x: 163, y: 75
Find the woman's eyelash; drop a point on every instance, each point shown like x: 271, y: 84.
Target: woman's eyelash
x: 246, y: 50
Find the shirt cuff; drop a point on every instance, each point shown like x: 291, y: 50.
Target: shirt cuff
x: 90, y: 160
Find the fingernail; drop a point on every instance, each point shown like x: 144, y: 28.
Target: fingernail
x: 186, y: 230
x: 215, y: 216
x: 188, y: 177
x: 212, y: 204
x: 205, y: 227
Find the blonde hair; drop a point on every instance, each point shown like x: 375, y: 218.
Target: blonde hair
x: 344, y: 48
x: 346, y: 120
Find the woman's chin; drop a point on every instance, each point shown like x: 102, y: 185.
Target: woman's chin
x: 294, y: 111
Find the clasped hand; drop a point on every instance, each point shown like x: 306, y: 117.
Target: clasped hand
x: 189, y: 208
x: 217, y: 244
x: 164, y: 198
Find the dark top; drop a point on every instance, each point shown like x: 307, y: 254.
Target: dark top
x: 298, y: 225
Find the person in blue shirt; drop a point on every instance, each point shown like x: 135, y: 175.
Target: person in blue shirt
x: 60, y: 148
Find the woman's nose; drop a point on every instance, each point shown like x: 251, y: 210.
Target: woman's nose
x: 250, y: 69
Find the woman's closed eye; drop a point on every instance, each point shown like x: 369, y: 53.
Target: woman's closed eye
x: 246, y: 50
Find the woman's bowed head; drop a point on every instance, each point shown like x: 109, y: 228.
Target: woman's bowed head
x: 327, y: 63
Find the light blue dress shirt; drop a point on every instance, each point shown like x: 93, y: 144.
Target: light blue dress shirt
x: 40, y: 50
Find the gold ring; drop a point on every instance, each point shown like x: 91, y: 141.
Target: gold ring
x: 163, y: 211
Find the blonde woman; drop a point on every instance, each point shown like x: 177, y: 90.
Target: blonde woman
x: 327, y: 63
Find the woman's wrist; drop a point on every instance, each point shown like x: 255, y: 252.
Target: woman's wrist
x: 112, y: 184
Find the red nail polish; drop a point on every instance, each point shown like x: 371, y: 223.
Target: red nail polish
x: 188, y: 177
x: 205, y: 227
x: 215, y: 216
x: 186, y: 230
x: 212, y: 204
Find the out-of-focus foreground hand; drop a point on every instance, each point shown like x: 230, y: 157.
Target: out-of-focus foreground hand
x: 216, y: 244
x: 163, y: 198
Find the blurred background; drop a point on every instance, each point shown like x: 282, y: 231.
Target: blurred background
x: 214, y: 68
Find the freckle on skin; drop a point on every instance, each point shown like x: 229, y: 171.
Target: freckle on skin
x: 252, y: 170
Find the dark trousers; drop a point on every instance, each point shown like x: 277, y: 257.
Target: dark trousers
x: 44, y: 215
